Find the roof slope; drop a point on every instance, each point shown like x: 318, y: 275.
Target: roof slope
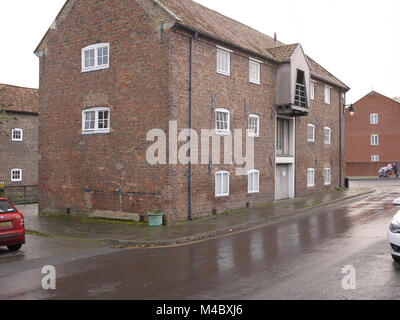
x: 19, y: 99
x: 212, y: 23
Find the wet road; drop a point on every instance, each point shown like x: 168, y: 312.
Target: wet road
x: 300, y: 258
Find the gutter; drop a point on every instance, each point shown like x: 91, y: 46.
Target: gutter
x: 341, y: 138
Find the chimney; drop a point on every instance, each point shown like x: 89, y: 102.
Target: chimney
x: 275, y: 38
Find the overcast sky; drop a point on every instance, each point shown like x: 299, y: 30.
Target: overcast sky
x: 357, y: 41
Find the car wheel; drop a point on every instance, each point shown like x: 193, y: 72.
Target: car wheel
x: 396, y: 258
x: 19, y: 246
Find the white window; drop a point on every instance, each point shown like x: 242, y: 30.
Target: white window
x: 374, y: 158
x: 224, y: 62
x: 254, y: 71
x: 16, y: 175
x: 222, y: 184
x: 327, y: 95
x: 327, y: 176
x: 310, y: 133
x: 96, y: 120
x: 327, y: 135
x: 17, y: 135
x: 374, y: 118
x: 222, y: 119
x: 312, y: 90
x: 95, y: 57
x: 254, y: 181
x: 310, y: 177
x: 254, y: 125
x: 374, y: 140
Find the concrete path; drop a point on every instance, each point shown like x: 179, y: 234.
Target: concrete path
x: 130, y: 234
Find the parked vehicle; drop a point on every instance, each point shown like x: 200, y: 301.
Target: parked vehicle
x: 384, y: 173
x: 394, y: 237
x: 12, y: 228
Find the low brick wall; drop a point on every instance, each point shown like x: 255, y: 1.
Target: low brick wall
x: 364, y: 169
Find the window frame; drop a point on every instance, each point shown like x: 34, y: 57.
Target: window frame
x: 373, y: 140
x: 257, y: 133
x: 372, y: 117
x: 96, y: 66
x: 228, y: 52
x: 257, y: 64
x: 312, y: 90
x: 327, y: 129
x: 375, y: 158
x: 311, y: 126
x: 96, y: 129
x: 21, y: 134
x: 328, y: 95
x: 12, y: 175
x: 222, y: 173
x: 226, y: 132
x: 310, y: 170
x: 255, y: 188
x: 329, y: 182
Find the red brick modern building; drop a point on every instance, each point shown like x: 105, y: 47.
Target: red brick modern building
x: 112, y: 71
x: 372, y: 135
x: 19, y: 136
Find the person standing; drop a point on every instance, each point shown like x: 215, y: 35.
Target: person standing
x: 396, y: 169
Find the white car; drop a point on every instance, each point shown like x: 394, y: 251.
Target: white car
x: 394, y: 237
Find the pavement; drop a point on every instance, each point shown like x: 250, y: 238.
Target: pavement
x: 125, y: 234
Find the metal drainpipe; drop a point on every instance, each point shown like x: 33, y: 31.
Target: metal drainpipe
x: 341, y: 138
x: 190, y: 217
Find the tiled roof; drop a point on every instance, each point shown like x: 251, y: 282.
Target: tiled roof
x: 210, y: 22
x: 20, y: 99
x: 218, y: 26
x: 283, y: 53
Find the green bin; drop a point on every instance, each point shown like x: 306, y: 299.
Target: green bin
x: 155, y: 219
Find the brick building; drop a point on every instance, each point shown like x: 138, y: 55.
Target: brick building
x: 19, y: 136
x: 111, y: 71
x: 372, y: 135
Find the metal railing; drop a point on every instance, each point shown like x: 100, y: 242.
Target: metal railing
x: 300, y: 98
x: 21, y: 194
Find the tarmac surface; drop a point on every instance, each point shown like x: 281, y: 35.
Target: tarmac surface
x: 298, y: 257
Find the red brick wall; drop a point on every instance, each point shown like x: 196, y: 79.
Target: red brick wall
x: 318, y: 155
x: 359, y: 130
x: 364, y: 169
x: 135, y: 88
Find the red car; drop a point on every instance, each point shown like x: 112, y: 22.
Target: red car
x: 12, y: 229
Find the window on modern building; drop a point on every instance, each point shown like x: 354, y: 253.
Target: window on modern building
x: 222, y: 121
x: 374, y: 140
x: 374, y: 158
x: 311, y: 133
x: 16, y: 175
x: 374, y: 119
x: 95, y: 57
x: 327, y: 135
x: 254, y: 181
x: 310, y: 177
x: 96, y: 120
x: 223, y: 61
x: 254, y: 125
x: 222, y: 184
x: 300, y: 97
x: 282, y: 136
x: 17, y: 135
x: 312, y: 90
x: 327, y: 176
x: 327, y: 95
x: 254, y: 71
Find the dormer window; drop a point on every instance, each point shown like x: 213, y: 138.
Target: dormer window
x: 300, y: 98
x: 95, y: 57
